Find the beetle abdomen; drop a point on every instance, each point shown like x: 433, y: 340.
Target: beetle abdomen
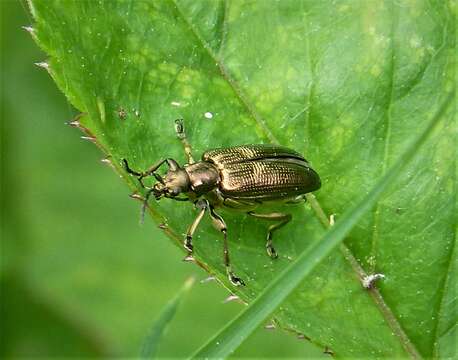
x: 262, y: 172
x: 268, y: 179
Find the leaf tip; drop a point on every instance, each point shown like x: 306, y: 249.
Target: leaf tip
x: 136, y: 196
x: 108, y: 162
x: 230, y: 298
x: 89, y: 138
x: 44, y: 65
x: 162, y: 226
x: 29, y: 29
x: 189, y: 258
x: 74, y: 123
x: 303, y: 337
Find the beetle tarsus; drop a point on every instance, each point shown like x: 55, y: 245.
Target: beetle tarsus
x: 282, y: 219
x: 188, y: 244
x: 181, y: 134
x: 235, y: 280
x: 271, y: 251
x: 179, y: 128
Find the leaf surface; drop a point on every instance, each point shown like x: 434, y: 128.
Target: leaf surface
x: 347, y: 84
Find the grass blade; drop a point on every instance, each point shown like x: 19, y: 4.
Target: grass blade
x: 153, y: 339
x: 231, y: 336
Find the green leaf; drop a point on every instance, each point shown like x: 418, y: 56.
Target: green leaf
x: 153, y: 339
x: 230, y: 337
x: 346, y: 83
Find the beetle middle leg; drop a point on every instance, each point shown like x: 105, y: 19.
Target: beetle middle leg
x: 283, y: 220
x: 221, y: 226
x: 181, y: 134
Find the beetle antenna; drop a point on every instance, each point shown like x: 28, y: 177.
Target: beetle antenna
x: 158, y: 178
x: 145, y: 205
x: 139, y: 176
x: 129, y: 170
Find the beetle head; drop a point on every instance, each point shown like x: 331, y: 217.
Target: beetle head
x: 175, y: 182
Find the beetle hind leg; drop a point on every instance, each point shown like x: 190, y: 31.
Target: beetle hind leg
x: 221, y: 226
x: 282, y: 219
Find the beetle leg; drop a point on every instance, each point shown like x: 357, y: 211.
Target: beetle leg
x: 181, y: 134
x: 245, y: 205
x: 283, y: 220
x: 202, y: 205
x: 297, y: 200
x: 221, y: 226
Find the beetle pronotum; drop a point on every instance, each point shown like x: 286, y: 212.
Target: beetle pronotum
x: 239, y: 178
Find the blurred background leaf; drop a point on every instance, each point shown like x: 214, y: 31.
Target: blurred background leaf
x: 161, y: 324
x: 347, y: 85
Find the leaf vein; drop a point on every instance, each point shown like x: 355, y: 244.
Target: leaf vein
x: 386, y: 150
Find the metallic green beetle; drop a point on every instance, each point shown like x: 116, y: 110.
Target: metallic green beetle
x: 239, y: 178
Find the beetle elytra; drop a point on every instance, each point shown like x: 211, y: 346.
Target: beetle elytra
x: 240, y: 178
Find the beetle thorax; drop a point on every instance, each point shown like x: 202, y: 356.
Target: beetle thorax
x: 203, y: 176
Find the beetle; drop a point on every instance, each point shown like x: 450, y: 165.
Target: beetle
x: 242, y: 178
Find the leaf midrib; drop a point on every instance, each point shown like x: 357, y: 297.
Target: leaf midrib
x: 386, y: 144
x: 376, y: 296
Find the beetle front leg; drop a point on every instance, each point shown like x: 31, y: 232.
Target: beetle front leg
x: 181, y: 134
x: 221, y: 226
x: 283, y: 220
x: 203, y: 206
